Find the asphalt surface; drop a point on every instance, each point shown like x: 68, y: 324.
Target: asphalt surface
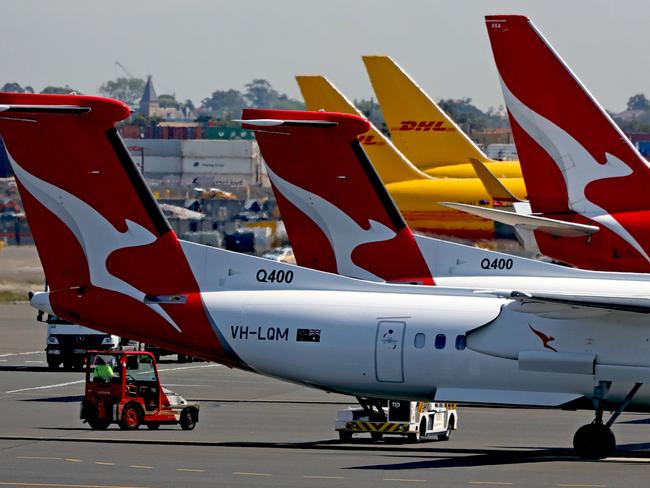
x: 256, y: 431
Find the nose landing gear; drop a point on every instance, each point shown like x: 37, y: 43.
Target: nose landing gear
x: 596, y: 440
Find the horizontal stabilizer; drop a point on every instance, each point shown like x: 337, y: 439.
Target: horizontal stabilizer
x: 322, y: 124
x: 530, y: 222
x: 43, y: 109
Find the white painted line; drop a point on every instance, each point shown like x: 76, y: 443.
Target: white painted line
x: 45, y: 387
x: 180, y: 368
x: 60, y: 485
x: 405, y: 480
x: 325, y: 477
x: 6, y: 355
x: 244, y: 473
x: 489, y: 483
x: 104, y: 463
x: 74, y: 460
x: 188, y: 470
x: 40, y: 458
x: 140, y: 466
x: 36, y: 362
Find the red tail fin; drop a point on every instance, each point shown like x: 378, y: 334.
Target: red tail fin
x: 573, y: 156
x: 100, y: 235
x: 338, y: 214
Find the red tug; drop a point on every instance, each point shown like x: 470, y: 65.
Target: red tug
x: 123, y: 387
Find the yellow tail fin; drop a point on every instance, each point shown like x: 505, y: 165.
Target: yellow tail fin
x: 418, y: 126
x: 390, y: 164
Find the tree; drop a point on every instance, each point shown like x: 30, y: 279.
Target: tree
x: 283, y: 102
x: 189, y: 105
x: 129, y: 90
x: 470, y: 117
x: 58, y: 90
x: 638, y: 102
x: 224, y: 103
x: 168, y: 101
x: 260, y: 93
x: 16, y: 88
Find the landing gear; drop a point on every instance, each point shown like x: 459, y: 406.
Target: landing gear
x: 596, y: 440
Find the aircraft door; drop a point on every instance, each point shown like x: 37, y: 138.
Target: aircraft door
x: 389, y: 351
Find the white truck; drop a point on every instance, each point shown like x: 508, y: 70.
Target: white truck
x: 67, y: 343
x: 413, y: 420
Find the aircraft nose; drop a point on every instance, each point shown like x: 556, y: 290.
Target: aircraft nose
x: 41, y: 301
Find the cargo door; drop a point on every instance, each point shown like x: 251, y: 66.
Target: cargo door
x: 389, y: 351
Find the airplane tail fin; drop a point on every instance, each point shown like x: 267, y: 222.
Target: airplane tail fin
x: 426, y: 135
x: 320, y: 94
x: 100, y: 235
x: 574, y: 158
x: 338, y: 215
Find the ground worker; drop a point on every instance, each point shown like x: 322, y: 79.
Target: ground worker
x: 103, y: 371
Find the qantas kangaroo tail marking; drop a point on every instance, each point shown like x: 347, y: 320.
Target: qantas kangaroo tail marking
x: 574, y: 156
x: 99, y: 233
x: 339, y: 215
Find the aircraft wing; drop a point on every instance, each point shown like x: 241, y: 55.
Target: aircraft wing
x: 530, y: 222
x: 545, y: 302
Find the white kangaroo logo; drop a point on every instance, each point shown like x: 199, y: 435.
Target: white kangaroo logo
x: 343, y: 233
x: 577, y: 165
x: 96, y: 235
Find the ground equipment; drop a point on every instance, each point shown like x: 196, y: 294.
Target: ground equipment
x: 124, y: 388
x: 414, y: 420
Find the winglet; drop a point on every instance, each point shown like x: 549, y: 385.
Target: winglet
x: 497, y: 190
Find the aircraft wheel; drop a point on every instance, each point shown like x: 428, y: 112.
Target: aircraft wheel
x: 594, y: 441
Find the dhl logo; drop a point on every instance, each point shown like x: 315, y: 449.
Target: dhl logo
x: 423, y: 126
x: 371, y: 140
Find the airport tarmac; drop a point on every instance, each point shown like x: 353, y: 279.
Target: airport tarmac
x: 257, y: 431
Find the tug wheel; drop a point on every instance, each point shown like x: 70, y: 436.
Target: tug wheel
x: 187, y: 419
x: 131, y: 417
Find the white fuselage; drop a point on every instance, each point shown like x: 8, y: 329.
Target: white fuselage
x: 371, y: 344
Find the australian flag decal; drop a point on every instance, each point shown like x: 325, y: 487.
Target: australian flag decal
x: 308, y: 335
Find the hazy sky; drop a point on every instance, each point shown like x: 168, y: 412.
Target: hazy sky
x: 194, y: 47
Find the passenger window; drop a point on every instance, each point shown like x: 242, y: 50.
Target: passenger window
x: 441, y: 341
x: 461, y: 342
x: 420, y: 339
